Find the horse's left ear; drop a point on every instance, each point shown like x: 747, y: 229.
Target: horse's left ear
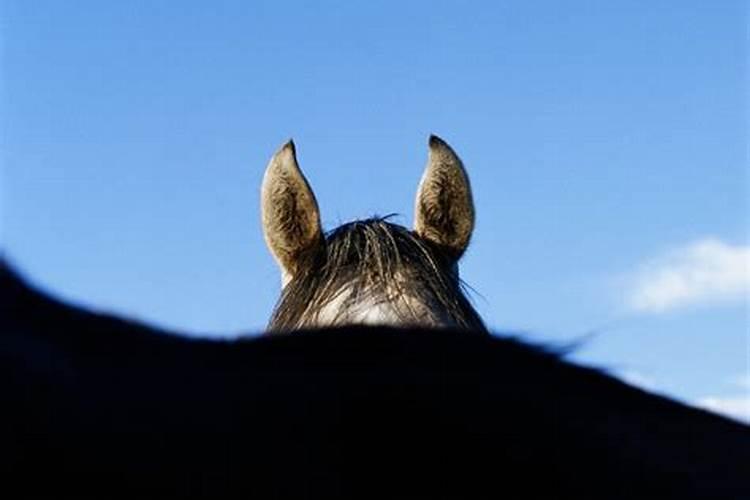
x: 444, y: 209
x: 291, y: 219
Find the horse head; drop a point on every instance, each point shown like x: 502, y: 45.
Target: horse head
x: 370, y: 271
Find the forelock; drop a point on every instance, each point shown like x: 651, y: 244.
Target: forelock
x: 375, y: 260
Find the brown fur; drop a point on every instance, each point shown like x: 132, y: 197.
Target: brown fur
x: 444, y: 211
x: 291, y: 219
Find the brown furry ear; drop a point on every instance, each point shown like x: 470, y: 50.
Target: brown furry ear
x: 444, y: 209
x: 291, y: 219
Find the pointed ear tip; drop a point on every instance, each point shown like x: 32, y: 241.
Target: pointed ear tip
x: 438, y: 145
x: 289, y: 146
x: 436, y: 141
x: 284, y: 156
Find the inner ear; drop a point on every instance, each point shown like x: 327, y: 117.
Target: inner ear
x: 444, y: 208
x: 290, y: 215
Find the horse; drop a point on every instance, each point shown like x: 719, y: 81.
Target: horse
x: 370, y: 271
x: 98, y: 406
x: 391, y: 386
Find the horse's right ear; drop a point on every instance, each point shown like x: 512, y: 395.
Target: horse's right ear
x: 291, y: 219
x: 444, y: 208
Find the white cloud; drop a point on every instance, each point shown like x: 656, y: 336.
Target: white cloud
x: 737, y: 407
x: 705, y: 271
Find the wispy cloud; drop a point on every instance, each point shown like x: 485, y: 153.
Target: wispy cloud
x: 737, y: 407
x: 705, y: 271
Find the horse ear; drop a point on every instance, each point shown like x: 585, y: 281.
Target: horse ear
x: 291, y: 219
x: 444, y: 209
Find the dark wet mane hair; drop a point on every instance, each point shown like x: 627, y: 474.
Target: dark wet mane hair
x: 374, y: 259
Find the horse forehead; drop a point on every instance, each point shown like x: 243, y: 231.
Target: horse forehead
x: 368, y: 311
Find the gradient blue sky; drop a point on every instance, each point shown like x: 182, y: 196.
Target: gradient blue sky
x: 603, y: 139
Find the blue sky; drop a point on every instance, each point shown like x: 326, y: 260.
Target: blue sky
x: 606, y: 143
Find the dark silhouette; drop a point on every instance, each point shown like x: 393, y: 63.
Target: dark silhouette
x: 96, y: 406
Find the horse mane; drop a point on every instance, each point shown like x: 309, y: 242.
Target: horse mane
x: 374, y: 259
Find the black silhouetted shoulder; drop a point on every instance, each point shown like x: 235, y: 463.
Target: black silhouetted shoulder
x: 95, y: 406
